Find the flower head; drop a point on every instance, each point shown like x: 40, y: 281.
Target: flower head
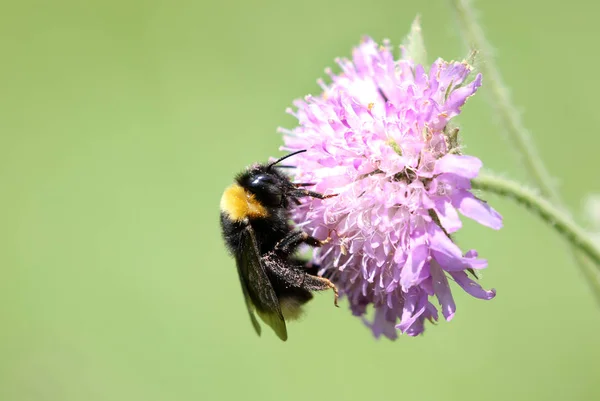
x: 379, y: 137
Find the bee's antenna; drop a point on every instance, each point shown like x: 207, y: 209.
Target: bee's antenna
x: 285, y: 157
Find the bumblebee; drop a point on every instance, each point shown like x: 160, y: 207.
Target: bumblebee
x: 255, y: 221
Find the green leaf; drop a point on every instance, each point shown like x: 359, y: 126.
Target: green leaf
x: 413, y: 46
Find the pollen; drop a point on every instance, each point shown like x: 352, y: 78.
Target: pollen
x: 239, y: 204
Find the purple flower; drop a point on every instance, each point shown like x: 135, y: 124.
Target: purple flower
x: 379, y: 137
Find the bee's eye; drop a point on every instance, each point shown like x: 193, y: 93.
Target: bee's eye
x: 261, y: 180
x: 266, y: 189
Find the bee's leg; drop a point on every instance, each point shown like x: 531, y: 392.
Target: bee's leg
x: 316, y: 283
x: 289, y: 243
x: 294, y: 277
x: 313, y: 269
x: 299, y: 193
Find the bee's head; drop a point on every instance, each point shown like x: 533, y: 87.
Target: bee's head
x: 268, y: 185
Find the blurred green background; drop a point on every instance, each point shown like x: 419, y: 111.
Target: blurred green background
x: 121, y: 123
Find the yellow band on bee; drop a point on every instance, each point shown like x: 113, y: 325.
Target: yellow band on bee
x: 239, y: 204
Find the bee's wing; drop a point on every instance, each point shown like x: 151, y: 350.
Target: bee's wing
x: 257, y: 288
x: 248, y: 301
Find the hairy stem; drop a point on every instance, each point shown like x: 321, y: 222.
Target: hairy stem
x: 555, y: 217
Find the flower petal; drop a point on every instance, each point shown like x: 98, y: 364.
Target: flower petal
x: 442, y: 291
x: 411, y: 311
x: 461, y: 165
x: 445, y: 252
x: 459, y: 96
x: 411, y: 272
x: 447, y: 215
x: 381, y: 325
x: 471, y: 287
x: 476, y: 209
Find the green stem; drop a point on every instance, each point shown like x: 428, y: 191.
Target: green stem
x: 520, y: 137
x: 552, y: 215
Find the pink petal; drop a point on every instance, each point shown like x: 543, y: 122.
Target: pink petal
x: 442, y: 291
x: 411, y: 311
x: 448, y: 216
x: 471, y: 287
x: 411, y: 272
x: 477, y: 210
x: 446, y: 252
x: 459, y: 96
x: 461, y: 165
